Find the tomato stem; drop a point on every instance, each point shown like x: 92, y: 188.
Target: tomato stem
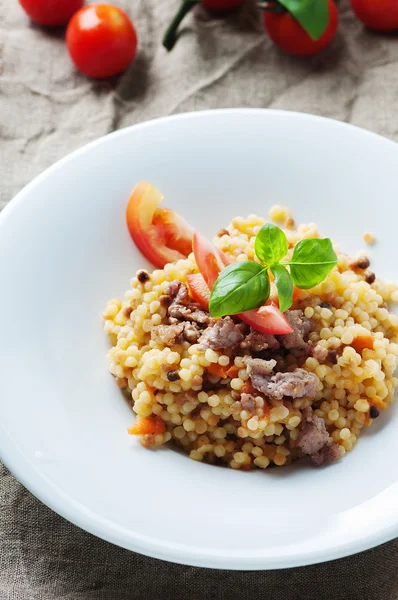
x: 170, y: 37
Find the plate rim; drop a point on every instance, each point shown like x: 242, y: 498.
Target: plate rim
x: 27, y: 473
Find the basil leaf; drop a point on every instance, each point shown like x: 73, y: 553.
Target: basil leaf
x: 284, y: 285
x: 241, y: 286
x: 270, y: 245
x: 312, y: 260
x: 313, y: 15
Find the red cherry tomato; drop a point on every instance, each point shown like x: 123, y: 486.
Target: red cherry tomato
x: 159, y: 233
x: 381, y: 15
x: 101, y: 40
x: 49, y: 12
x: 287, y: 33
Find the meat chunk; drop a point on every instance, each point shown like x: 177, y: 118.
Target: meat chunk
x: 301, y: 328
x: 191, y: 332
x: 174, y: 288
x: 319, y: 352
x: 248, y: 402
x: 191, y: 312
x: 314, y: 440
x: 329, y: 453
x: 259, y: 371
x: 167, y: 334
x: 313, y: 435
x: 258, y: 366
x: 223, y: 334
x: 296, y: 384
x: 257, y: 341
x: 182, y: 307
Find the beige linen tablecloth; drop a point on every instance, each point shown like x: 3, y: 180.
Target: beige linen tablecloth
x: 48, y: 110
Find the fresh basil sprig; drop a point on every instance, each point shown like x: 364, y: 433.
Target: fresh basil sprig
x: 240, y: 284
x: 245, y: 285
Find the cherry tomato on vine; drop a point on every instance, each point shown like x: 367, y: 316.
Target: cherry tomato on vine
x: 101, y: 40
x: 287, y: 33
x: 50, y: 13
x: 381, y: 15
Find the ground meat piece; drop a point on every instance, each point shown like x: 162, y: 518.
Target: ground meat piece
x: 301, y: 327
x: 320, y: 353
x: 313, y: 435
x: 182, y: 308
x: 166, y: 334
x: 329, y: 453
x: 259, y: 371
x: 191, y: 332
x: 258, y: 366
x: 296, y: 384
x: 248, y: 402
x: 191, y: 312
x: 257, y: 341
x: 223, y: 334
x: 174, y: 287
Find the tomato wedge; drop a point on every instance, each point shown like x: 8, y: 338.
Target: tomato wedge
x: 160, y: 234
x: 267, y: 319
x: 210, y: 261
x: 199, y: 290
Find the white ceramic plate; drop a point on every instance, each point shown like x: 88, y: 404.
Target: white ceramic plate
x: 65, y: 251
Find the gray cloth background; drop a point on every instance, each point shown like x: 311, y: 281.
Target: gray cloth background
x: 48, y: 110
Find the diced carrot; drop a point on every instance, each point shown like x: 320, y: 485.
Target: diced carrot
x: 361, y: 342
x: 377, y: 402
x: 233, y: 372
x: 247, y: 388
x: 146, y: 425
x: 219, y: 370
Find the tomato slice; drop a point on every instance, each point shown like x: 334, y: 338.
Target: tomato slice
x: 210, y: 261
x: 267, y: 319
x: 199, y: 290
x: 160, y: 234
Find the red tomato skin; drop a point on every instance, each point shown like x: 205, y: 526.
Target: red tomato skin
x: 222, y: 5
x: 289, y: 35
x: 160, y: 234
x: 51, y: 13
x: 199, y: 290
x: 381, y: 15
x: 101, y: 40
